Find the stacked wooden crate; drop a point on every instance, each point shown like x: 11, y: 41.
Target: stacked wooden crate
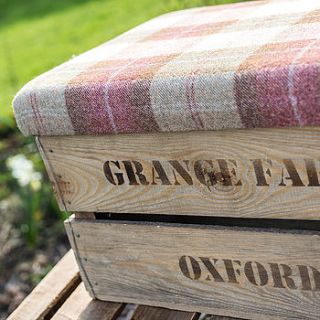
x: 173, y: 249
x: 188, y: 151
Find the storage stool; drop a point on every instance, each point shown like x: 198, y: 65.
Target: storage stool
x: 188, y: 150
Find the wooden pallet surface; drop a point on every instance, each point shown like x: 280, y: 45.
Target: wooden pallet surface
x: 81, y: 306
x: 51, y: 292
x: 61, y: 296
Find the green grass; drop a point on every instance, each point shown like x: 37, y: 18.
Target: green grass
x: 36, y: 35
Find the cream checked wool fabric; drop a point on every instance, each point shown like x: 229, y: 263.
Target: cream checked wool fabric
x: 245, y: 65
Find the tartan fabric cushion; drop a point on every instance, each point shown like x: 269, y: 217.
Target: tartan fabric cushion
x: 246, y: 65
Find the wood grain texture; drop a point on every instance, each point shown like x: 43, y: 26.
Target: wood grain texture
x: 51, y: 175
x: 78, y: 163
x: 213, y: 317
x: 258, y: 270
x: 84, y: 215
x: 80, y: 306
x: 156, y: 313
x: 74, y: 245
x: 51, y: 292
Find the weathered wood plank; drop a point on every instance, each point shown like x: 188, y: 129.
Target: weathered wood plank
x: 84, y: 215
x: 265, y: 173
x: 156, y: 313
x: 213, y: 317
x: 73, y: 242
x: 51, y: 292
x: 80, y: 306
x: 51, y: 175
x: 232, y: 272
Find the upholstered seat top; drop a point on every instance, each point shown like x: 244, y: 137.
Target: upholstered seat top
x: 245, y: 65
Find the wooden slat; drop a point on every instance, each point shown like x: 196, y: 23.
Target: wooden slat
x: 213, y: 317
x: 265, y: 173
x: 51, y: 176
x: 260, y: 273
x: 156, y: 313
x: 80, y: 306
x: 84, y: 215
x: 51, y: 292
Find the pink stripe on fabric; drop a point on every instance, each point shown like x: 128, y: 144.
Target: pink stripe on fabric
x: 261, y: 86
x: 188, y: 31
x: 128, y: 95
x: 85, y: 99
x: 205, y: 29
x: 304, y: 85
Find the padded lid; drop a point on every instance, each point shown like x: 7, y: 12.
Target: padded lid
x: 245, y: 65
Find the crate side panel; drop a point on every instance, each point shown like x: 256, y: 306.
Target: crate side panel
x: 230, y: 272
x: 265, y: 173
x: 51, y: 174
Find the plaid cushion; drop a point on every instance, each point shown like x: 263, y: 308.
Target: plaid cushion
x: 246, y: 65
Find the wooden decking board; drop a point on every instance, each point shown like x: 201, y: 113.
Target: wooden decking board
x: 51, y: 292
x: 81, y: 306
x: 155, y: 313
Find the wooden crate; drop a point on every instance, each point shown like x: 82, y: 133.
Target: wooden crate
x: 265, y: 173
x: 237, y: 272
x: 223, y: 223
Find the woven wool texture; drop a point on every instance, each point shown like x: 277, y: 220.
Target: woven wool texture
x: 245, y: 65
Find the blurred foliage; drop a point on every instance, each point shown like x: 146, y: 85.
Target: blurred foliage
x: 36, y: 35
x: 36, y: 207
x: 37, y: 277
